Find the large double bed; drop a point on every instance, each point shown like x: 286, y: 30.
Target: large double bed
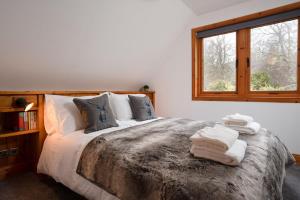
x: 60, y: 157
x: 151, y: 160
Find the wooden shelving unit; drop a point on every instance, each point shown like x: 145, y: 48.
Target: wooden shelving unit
x: 25, y: 141
x: 17, y: 167
x: 17, y: 133
x: 16, y: 109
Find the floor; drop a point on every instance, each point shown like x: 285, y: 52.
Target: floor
x: 30, y: 186
x: 291, y: 187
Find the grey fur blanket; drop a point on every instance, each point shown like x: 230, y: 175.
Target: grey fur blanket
x: 152, y: 162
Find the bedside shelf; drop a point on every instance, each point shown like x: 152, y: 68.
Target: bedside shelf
x: 17, y: 133
x: 19, y: 149
x: 17, y: 167
x: 16, y: 109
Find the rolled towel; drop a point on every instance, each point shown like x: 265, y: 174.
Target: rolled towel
x: 251, y: 128
x: 232, y: 157
x: 217, y: 137
x: 238, y: 119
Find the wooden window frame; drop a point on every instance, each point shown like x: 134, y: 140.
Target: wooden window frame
x: 243, y: 92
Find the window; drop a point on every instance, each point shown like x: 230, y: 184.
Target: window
x: 252, y: 58
x: 274, y: 57
x: 219, y: 62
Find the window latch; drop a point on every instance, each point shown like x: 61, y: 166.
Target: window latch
x: 248, y: 62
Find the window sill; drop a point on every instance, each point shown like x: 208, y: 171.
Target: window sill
x: 248, y: 99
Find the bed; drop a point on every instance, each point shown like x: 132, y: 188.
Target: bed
x: 60, y: 157
x: 76, y: 160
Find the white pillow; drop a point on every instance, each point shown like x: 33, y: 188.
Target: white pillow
x: 61, y: 114
x: 120, y: 105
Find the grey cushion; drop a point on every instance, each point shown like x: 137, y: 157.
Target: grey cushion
x: 96, y: 113
x: 141, y: 107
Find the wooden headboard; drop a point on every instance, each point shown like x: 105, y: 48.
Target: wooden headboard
x: 43, y: 133
x: 38, y: 97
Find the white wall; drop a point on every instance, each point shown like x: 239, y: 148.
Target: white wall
x: 80, y: 44
x: 173, y: 84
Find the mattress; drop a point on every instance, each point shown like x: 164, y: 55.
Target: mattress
x: 60, y: 156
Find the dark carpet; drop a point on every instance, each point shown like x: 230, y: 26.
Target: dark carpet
x: 291, y: 187
x: 30, y: 186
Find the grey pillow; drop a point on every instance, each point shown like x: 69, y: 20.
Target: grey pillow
x: 96, y: 113
x: 142, y: 108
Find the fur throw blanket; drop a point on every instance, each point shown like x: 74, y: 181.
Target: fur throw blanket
x: 152, y: 162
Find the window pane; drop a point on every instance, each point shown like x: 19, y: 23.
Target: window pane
x: 219, y: 63
x: 274, y: 57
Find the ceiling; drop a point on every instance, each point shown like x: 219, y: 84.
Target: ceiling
x: 203, y: 6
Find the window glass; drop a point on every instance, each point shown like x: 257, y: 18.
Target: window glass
x: 274, y: 57
x: 219, y: 63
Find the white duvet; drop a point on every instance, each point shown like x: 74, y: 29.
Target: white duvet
x: 61, y: 154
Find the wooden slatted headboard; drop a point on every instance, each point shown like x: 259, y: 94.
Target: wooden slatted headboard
x: 43, y: 133
x: 7, y: 97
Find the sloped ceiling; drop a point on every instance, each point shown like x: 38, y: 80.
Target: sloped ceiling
x: 200, y: 7
x: 79, y: 44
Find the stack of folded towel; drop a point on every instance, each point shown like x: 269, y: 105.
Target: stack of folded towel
x: 242, y: 123
x: 220, y: 144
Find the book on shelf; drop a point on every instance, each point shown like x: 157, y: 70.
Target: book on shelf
x: 21, y: 121
x: 27, y: 121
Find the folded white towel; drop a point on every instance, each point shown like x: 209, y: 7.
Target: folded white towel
x: 198, y: 140
x: 231, y: 157
x: 233, y: 123
x: 219, y: 137
x: 251, y: 128
x: 238, y: 118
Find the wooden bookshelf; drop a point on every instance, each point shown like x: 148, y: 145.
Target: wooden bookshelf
x: 12, y: 136
x: 17, y: 109
x: 11, y: 169
x: 18, y: 133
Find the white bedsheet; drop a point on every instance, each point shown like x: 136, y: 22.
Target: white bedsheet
x: 61, y: 154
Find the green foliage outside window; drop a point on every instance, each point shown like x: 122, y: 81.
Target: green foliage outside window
x: 262, y: 81
x: 221, y: 85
